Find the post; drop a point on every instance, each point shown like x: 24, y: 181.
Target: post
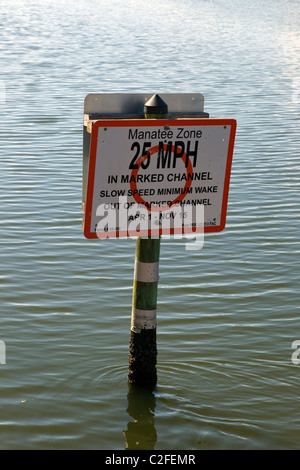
x: 143, y: 348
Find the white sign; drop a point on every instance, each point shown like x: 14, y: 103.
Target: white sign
x: 149, y: 176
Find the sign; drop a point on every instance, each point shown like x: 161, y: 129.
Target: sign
x: 158, y: 177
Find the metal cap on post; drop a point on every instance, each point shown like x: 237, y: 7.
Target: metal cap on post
x: 156, y: 108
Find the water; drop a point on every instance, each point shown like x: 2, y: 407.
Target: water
x: 229, y: 313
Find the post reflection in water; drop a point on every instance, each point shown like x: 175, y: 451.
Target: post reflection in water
x: 141, y: 432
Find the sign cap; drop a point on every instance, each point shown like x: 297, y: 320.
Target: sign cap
x: 156, y: 105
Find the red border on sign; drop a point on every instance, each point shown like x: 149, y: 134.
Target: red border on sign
x: 88, y: 233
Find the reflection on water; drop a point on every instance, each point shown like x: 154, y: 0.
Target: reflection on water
x: 141, y: 433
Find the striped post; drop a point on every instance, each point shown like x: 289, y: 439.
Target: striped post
x: 143, y: 348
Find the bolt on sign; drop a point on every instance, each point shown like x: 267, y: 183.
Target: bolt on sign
x: 150, y: 177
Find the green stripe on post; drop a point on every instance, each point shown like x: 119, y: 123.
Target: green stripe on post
x: 143, y: 348
x: 147, y: 250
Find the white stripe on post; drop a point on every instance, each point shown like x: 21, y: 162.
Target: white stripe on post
x: 142, y: 319
x: 146, y: 272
